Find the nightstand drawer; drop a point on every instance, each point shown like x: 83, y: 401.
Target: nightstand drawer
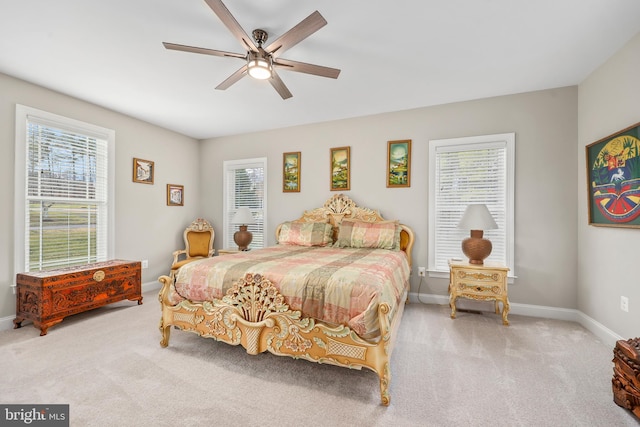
x: 488, y: 282
x: 479, y: 289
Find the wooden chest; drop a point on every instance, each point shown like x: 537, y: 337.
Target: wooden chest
x: 47, y: 297
x: 626, y: 374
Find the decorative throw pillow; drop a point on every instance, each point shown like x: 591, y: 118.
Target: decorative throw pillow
x: 305, y: 233
x: 360, y: 234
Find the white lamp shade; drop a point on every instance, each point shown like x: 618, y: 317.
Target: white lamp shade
x: 477, y: 217
x: 243, y: 216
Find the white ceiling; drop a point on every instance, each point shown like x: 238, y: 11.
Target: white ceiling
x: 394, y: 55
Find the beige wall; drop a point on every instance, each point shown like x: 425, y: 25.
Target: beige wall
x: 144, y: 224
x: 608, y: 257
x: 545, y: 124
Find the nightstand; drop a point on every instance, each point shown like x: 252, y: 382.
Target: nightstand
x: 228, y: 251
x: 485, y: 282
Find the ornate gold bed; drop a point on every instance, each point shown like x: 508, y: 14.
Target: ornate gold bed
x: 252, y: 311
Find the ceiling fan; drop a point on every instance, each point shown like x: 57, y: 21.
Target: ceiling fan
x: 262, y: 62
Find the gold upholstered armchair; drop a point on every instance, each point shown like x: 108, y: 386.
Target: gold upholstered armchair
x: 198, y: 241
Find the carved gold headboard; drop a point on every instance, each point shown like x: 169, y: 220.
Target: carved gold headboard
x: 339, y: 207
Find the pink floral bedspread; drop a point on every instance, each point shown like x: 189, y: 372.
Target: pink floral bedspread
x: 335, y: 285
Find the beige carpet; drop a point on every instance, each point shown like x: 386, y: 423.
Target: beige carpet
x: 109, y: 367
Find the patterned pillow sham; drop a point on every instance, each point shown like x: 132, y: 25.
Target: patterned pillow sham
x: 360, y: 234
x: 305, y: 233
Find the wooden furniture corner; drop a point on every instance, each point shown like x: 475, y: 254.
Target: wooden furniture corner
x: 228, y: 251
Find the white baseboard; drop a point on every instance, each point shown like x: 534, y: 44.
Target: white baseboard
x: 7, y: 322
x: 606, y: 335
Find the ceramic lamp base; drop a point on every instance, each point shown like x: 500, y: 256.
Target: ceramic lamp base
x: 476, y: 248
x: 243, y: 238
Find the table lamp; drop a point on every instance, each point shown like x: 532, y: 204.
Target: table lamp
x: 243, y: 237
x: 477, y: 218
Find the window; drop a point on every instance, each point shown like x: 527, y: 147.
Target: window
x: 63, y: 196
x: 464, y: 171
x: 245, y: 183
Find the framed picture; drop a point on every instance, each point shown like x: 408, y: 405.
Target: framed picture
x: 143, y: 171
x: 340, y: 169
x: 291, y: 172
x: 399, y: 163
x: 175, y: 195
x: 613, y: 179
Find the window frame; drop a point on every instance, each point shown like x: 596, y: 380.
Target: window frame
x: 23, y: 114
x: 229, y: 165
x: 507, y: 140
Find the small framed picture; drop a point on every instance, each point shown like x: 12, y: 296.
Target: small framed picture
x: 340, y: 169
x: 175, y: 195
x: 291, y: 172
x: 143, y: 171
x: 399, y: 164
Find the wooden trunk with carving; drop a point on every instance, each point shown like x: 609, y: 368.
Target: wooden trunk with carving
x: 626, y: 375
x: 47, y: 297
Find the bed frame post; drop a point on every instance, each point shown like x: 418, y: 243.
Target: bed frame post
x: 388, y: 336
x: 165, y: 327
x: 383, y: 369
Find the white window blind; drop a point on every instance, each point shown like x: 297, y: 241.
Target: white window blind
x: 66, y: 193
x: 465, y: 171
x: 245, y: 183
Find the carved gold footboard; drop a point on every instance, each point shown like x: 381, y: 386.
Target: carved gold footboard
x: 254, y: 314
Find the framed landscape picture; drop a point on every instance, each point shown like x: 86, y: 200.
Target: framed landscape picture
x: 613, y: 179
x: 291, y: 172
x: 399, y: 163
x: 143, y: 171
x: 340, y: 169
x: 175, y: 195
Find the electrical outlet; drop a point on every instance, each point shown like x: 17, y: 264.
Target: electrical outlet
x: 145, y: 263
x: 624, y: 303
x: 422, y: 271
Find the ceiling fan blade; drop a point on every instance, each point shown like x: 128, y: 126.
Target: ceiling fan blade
x: 295, y: 35
x: 233, y: 78
x: 279, y: 86
x: 202, y: 50
x: 303, y: 67
x: 230, y: 22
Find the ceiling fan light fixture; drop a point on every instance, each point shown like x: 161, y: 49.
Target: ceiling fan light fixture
x: 259, y: 60
x: 259, y: 66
